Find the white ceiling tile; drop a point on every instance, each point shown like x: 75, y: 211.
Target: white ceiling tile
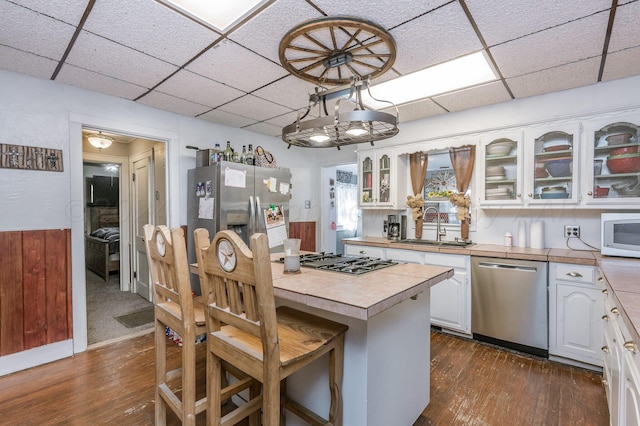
x: 187, y: 85
x: 486, y: 94
x: 624, y: 63
x: 141, y: 24
x: 283, y: 120
x: 26, y: 63
x: 236, y: 66
x: 434, y: 38
x: 571, y: 42
x: 379, y: 12
x: 171, y: 103
x: 416, y: 110
x: 626, y: 28
x: 263, y: 33
x: 563, y: 77
x: 15, y: 31
x: 253, y: 107
x: 69, y: 11
x: 106, y: 57
x: 223, y: 117
x: 291, y: 92
x: 266, y: 129
x: 500, y: 21
x: 90, y: 80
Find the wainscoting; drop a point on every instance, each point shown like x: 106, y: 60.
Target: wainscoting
x: 35, y: 289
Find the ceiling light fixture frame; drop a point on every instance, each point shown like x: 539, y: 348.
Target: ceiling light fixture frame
x: 100, y: 141
x: 335, y: 130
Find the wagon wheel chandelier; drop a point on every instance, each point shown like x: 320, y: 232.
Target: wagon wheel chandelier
x: 339, y: 51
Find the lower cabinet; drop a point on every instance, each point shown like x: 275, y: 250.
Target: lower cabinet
x: 575, y: 313
x: 450, y: 299
x: 621, y: 372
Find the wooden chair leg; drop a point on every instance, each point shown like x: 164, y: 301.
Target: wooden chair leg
x: 161, y: 373
x: 271, y: 400
x: 283, y: 401
x: 214, y: 381
x: 188, y: 380
x: 336, y: 369
x: 254, y: 392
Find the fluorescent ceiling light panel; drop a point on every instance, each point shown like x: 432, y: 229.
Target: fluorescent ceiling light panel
x: 220, y: 14
x: 466, y: 71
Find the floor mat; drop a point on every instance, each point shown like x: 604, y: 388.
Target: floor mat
x: 138, y: 318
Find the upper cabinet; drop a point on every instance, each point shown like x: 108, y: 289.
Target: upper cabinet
x: 552, y: 164
x: 500, y: 169
x: 382, y: 180
x: 614, y: 178
x: 535, y: 167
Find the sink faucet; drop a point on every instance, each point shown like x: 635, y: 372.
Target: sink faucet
x: 440, y: 231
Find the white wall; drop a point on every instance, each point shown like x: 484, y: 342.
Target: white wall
x: 488, y: 226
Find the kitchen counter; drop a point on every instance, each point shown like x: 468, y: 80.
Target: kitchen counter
x: 387, y: 347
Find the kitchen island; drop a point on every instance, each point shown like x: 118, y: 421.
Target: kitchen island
x: 387, y: 346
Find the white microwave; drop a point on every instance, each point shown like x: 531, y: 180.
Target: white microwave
x: 620, y: 234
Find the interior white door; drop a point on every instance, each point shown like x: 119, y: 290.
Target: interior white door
x: 142, y: 209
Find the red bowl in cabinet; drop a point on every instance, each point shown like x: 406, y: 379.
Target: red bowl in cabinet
x: 627, y: 164
x: 625, y: 150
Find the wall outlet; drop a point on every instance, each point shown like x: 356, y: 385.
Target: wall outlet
x: 571, y: 231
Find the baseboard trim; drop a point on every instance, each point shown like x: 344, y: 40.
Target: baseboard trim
x: 37, y: 356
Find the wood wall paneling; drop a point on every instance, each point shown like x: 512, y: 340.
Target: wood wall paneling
x: 306, y: 231
x: 35, y: 289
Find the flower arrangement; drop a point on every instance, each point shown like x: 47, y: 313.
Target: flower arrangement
x: 416, y: 203
x: 440, y: 194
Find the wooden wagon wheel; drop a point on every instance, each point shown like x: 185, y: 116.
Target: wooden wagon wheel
x: 333, y: 50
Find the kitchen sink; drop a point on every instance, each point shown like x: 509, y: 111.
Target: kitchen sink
x: 459, y: 243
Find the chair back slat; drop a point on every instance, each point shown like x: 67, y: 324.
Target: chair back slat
x: 249, y: 304
x: 169, y: 269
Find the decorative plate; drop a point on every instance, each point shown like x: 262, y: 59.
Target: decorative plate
x: 226, y: 255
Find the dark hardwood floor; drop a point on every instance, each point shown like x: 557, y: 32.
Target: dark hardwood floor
x: 471, y: 384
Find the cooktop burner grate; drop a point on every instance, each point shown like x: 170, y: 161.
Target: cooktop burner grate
x: 354, y: 265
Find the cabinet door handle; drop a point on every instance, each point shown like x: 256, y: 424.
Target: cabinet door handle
x: 615, y: 310
x: 630, y: 346
x: 605, y: 349
x: 589, y: 193
x: 362, y: 252
x: 605, y: 291
x: 604, y: 382
x: 574, y: 274
x: 530, y: 195
x: 605, y: 317
x: 600, y: 279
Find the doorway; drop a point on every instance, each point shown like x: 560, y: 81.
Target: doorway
x: 341, y: 217
x: 118, y: 296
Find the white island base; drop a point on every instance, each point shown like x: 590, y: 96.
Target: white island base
x: 386, y: 367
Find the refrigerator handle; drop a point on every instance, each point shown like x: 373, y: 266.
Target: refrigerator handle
x: 252, y: 217
x: 259, y: 216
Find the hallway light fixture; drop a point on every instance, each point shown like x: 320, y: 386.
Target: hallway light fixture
x: 100, y: 141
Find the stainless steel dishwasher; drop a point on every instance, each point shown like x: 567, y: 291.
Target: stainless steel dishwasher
x: 509, y: 303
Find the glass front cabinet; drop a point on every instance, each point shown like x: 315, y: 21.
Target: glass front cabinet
x: 552, y: 164
x: 379, y: 184
x: 612, y: 163
x: 500, y: 174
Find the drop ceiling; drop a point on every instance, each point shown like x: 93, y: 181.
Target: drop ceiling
x: 142, y: 51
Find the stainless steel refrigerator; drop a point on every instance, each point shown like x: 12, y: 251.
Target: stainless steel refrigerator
x: 236, y: 196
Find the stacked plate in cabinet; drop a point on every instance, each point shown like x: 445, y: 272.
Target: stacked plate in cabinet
x: 554, y: 192
x: 500, y: 193
x: 495, y: 173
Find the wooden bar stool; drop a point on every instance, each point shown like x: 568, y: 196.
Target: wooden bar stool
x: 245, y: 329
x: 175, y: 307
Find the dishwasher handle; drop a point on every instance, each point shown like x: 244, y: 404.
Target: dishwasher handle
x: 506, y: 266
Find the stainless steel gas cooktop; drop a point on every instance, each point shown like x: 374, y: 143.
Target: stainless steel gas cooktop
x: 354, y: 265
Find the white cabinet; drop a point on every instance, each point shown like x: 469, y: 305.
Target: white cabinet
x: 382, y: 179
x: 551, y: 164
x: 575, y: 313
x: 621, y: 365
x: 500, y: 169
x: 450, y: 299
x: 612, y: 167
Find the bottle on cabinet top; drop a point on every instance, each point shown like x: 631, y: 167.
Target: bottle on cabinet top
x: 227, y: 155
x: 248, y: 159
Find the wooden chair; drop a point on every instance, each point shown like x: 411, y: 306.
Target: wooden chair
x: 175, y: 307
x: 245, y: 329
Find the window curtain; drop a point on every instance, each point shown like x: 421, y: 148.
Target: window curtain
x: 347, y: 202
x: 462, y: 160
x: 418, y: 162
